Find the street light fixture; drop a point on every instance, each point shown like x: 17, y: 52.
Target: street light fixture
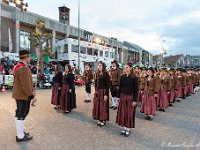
x: 79, y: 35
x: 18, y: 3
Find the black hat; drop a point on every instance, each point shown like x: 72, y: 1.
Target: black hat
x: 144, y: 68
x: 23, y: 54
x: 115, y: 62
x: 164, y: 68
x: 152, y: 69
x: 171, y: 69
x: 184, y: 70
x: 179, y: 69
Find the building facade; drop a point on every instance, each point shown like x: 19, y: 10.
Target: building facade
x: 16, y: 26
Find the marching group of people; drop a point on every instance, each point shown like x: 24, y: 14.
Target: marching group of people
x: 155, y: 89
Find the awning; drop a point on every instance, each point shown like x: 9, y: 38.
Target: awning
x: 33, y: 57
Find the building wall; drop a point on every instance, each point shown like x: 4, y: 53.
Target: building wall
x: 6, y: 24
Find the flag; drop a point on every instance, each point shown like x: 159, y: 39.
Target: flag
x: 10, y: 40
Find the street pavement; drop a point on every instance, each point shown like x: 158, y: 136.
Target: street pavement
x: 177, y: 128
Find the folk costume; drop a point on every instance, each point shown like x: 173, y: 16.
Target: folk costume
x: 23, y: 93
x: 68, y: 95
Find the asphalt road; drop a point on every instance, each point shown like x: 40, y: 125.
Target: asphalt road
x: 177, y: 128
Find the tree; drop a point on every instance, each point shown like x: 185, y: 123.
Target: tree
x: 38, y: 38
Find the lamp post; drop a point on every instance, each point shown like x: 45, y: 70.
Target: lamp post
x: 79, y: 35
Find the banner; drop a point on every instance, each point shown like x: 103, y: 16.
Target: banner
x: 9, y: 79
x: 10, y: 40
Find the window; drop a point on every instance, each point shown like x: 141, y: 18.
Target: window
x: 111, y: 55
x: 83, y: 50
x: 58, y: 49
x: 65, y: 50
x: 24, y: 41
x: 75, y: 48
x: 106, y: 53
x: 101, y: 53
x: 95, y: 52
x: 89, y: 51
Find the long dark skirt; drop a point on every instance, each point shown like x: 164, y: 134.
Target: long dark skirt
x: 114, y: 91
x: 148, y: 104
x: 163, y: 98
x: 88, y: 87
x: 126, y: 112
x: 172, y: 96
x: 190, y: 88
x: 55, y: 98
x: 100, y: 107
x: 140, y: 95
x: 67, y: 100
x: 185, y: 90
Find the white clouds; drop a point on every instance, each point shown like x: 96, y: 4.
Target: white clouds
x: 141, y: 22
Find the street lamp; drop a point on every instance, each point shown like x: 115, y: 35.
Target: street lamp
x: 18, y: 3
x: 78, y: 34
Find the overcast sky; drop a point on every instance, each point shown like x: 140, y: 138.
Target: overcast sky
x: 142, y: 22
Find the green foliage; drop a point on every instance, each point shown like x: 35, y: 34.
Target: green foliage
x: 47, y: 51
x: 39, y: 37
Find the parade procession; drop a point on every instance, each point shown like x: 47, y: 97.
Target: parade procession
x: 150, y: 89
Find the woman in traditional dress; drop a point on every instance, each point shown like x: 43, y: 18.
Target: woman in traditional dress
x: 101, y: 95
x: 68, y: 95
x: 128, y: 97
x: 164, y: 90
x: 57, y: 84
x: 174, y: 86
x: 150, y: 93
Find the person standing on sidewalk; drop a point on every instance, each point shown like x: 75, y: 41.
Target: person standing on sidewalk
x: 128, y: 97
x: 114, y: 87
x: 23, y: 93
x: 68, y: 95
x: 87, y: 77
x: 57, y: 84
x: 101, y: 95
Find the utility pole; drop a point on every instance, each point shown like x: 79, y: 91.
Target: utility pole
x: 79, y: 35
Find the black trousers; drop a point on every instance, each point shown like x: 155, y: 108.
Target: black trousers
x: 88, y: 87
x: 114, y: 89
x: 23, y: 107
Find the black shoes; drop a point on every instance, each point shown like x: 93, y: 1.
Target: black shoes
x: 162, y: 109
x: 66, y: 112
x: 101, y: 123
x: 150, y: 118
x: 26, y: 137
x: 87, y: 101
x: 113, y: 107
x: 57, y: 107
x: 123, y: 132
x: 127, y: 133
x: 170, y: 105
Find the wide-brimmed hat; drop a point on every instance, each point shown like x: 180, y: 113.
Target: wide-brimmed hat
x: 23, y: 54
x: 115, y: 62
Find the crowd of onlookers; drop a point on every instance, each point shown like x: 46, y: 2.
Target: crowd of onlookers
x: 7, y: 65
